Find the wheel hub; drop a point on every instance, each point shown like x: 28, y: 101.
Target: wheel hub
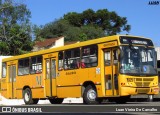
x: 26, y: 96
x: 91, y: 95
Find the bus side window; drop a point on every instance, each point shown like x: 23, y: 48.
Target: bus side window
x: 60, y: 61
x: 83, y: 63
x: 23, y: 66
x: 4, y: 70
x: 36, y: 65
x: 67, y: 55
x: 76, y: 58
x: 72, y: 59
x: 89, y: 56
x: 94, y: 56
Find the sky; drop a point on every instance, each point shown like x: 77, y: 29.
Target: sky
x: 143, y: 18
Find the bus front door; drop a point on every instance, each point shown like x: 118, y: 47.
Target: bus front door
x: 50, y: 73
x: 11, y: 81
x: 111, y: 71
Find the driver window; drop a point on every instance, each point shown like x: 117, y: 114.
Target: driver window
x: 150, y: 57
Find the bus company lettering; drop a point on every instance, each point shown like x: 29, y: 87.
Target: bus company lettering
x: 11, y: 62
x: 39, y: 80
x: 70, y: 73
x: 49, y: 55
x: 109, y: 44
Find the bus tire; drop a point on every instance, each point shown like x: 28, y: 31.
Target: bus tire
x: 90, y: 95
x: 56, y: 100
x: 27, y: 96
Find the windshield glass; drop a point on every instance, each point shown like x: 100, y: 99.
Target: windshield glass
x: 138, y: 60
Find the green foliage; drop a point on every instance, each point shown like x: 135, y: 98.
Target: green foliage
x: 92, y: 32
x: 110, y: 22
x: 15, y: 30
x: 3, y: 48
x: 82, y: 37
x: 73, y: 18
x: 86, y: 25
x: 72, y: 34
x: 83, y: 33
x: 55, y: 29
x: 37, y: 31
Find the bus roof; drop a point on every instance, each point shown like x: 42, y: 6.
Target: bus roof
x: 79, y: 44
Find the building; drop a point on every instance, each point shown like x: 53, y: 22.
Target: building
x: 48, y: 43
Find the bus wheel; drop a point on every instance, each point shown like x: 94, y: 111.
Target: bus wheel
x: 90, y: 95
x: 27, y: 96
x: 56, y: 100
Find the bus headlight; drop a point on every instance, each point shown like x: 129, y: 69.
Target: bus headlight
x: 129, y: 84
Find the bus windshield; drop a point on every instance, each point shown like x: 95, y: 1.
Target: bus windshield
x: 138, y: 60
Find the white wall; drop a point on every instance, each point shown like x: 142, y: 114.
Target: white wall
x: 59, y: 42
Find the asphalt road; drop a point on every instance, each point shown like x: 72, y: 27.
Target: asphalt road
x: 130, y: 108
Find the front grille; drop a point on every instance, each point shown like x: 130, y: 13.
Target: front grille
x: 142, y: 91
x: 138, y: 79
x: 143, y: 82
x: 148, y: 79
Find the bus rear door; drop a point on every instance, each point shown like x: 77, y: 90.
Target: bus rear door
x: 50, y: 74
x: 11, y: 80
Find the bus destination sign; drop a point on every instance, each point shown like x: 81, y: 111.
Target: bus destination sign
x: 139, y: 42
x: 135, y: 40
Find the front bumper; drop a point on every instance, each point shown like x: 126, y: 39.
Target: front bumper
x: 139, y: 90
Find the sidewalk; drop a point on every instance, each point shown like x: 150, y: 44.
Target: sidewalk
x: 4, y: 101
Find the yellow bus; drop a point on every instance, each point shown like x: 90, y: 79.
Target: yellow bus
x: 113, y: 67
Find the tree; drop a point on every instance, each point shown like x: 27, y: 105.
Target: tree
x: 74, y: 19
x: 110, y: 22
x: 86, y: 25
x: 37, y: 31
x: 15, y: 29
x: 55, y: 29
